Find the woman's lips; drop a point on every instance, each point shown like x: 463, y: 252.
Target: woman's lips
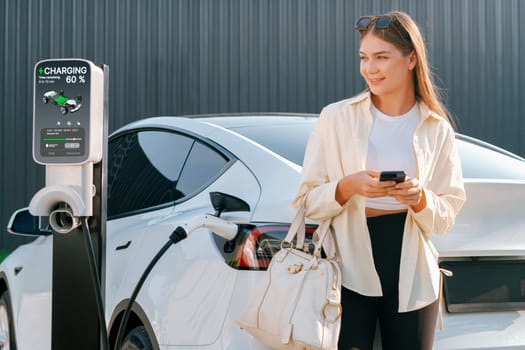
x: 375, y: 81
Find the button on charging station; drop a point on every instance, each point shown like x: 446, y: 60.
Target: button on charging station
x: 74, y: 145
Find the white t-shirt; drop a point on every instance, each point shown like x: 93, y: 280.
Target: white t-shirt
x: 390, y: 147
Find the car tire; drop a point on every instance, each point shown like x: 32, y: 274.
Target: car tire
x: 137, y: 339
x: 7, y: 334
x: 63, y: 110
x: 45, y: 100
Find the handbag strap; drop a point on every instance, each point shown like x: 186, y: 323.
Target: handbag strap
x: 323, y: 231
x: 297, y: 229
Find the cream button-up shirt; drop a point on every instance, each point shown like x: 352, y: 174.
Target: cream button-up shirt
x: 338, y: 147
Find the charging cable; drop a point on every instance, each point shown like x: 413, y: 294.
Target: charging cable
x: 178, y: 235
x: 222, y: 228
x: 95, y: 278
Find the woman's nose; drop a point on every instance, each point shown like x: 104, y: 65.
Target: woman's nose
x: 370, y: 66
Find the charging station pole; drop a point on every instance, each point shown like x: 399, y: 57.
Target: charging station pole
x: 70, y: 139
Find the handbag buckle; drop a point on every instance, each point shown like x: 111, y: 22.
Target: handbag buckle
x: 295, y: 268
x: 329, y: 303
x: 290, y: 246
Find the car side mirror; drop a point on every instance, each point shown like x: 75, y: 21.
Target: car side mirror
x: 22, y: 222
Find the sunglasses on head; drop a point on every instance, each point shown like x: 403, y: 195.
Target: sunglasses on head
x: 381, y: 22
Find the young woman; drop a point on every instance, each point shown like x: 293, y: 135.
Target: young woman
x: 382, y: 228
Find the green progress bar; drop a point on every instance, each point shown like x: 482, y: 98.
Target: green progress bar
x: 55, y: 139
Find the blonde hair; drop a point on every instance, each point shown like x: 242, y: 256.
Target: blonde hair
x: 424, y: 84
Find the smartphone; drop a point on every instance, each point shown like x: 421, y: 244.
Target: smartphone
x: 397, y: 176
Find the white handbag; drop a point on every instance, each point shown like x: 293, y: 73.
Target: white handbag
x: 298, y: 302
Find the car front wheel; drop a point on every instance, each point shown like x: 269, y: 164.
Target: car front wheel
x: 137, y: 339
x: 7, y: 339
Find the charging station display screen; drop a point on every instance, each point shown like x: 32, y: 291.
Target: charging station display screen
x: 61, y: 111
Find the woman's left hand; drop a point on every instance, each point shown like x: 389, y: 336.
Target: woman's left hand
x: 410, y: 193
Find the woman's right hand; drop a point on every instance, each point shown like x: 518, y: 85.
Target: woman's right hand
x: 365, y: 183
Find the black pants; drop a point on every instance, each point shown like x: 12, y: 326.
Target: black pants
x: 404, y: 331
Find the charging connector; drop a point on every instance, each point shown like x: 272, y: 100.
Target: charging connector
x: 62, y: 219
x: 223, y: 228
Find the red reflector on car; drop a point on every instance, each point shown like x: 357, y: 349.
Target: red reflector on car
x: 261, y: 243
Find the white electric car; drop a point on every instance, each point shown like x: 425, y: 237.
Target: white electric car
x: 161, y: 172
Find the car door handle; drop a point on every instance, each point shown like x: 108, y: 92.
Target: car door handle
x: 124, y: 246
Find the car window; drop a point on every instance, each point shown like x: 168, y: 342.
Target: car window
x: 203, y: 165
x: 165, y: 151
x: 150, y: 168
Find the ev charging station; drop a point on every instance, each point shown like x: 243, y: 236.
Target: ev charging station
x: 70, y: 135
x: 70, y: 139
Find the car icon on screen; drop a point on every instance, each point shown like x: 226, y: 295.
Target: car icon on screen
x: 65, y: 104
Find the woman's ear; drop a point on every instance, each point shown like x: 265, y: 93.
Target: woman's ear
x: 412, y: 60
